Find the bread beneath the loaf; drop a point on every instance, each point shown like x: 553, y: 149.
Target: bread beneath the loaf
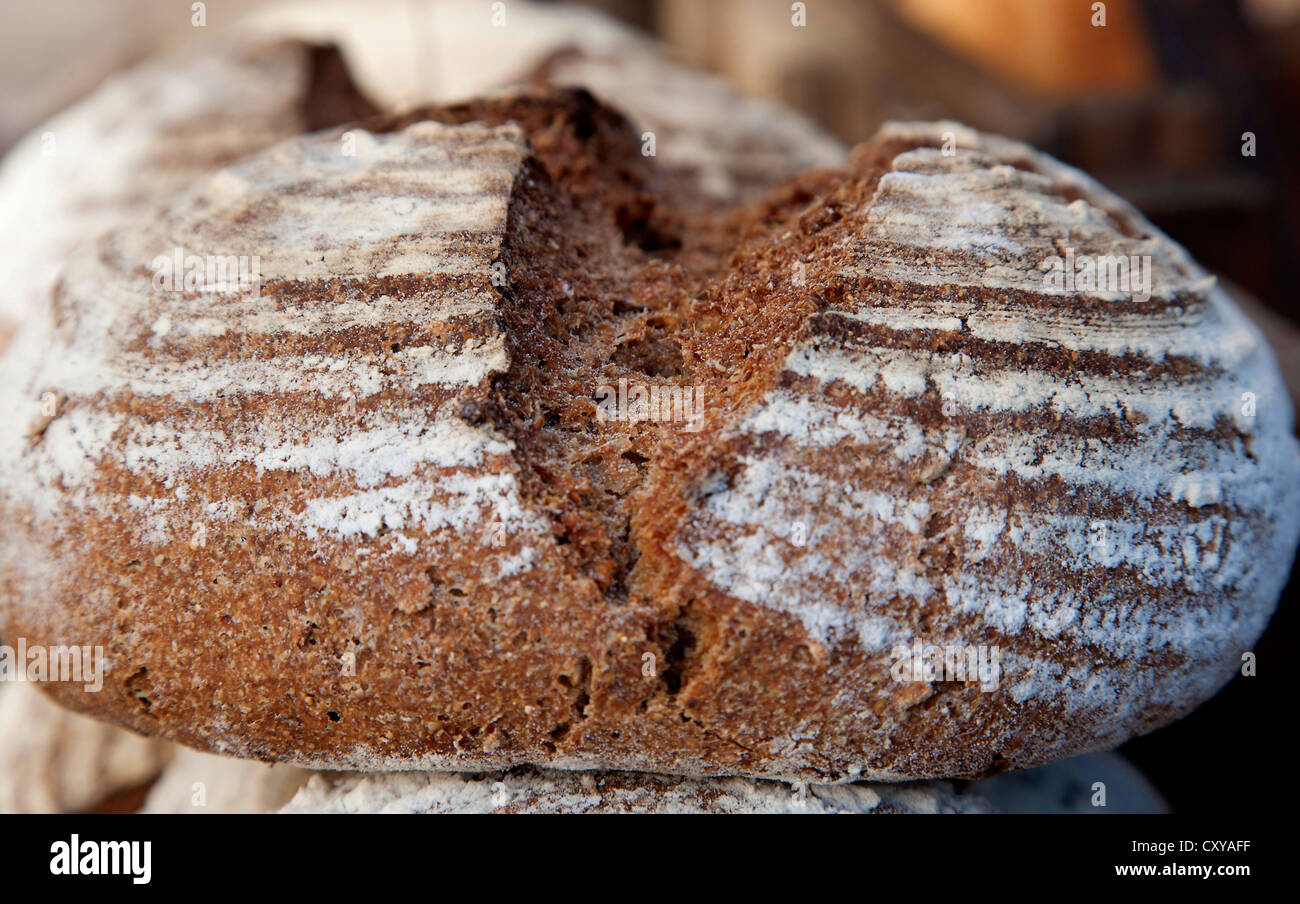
x: 1068, y: 786
x: 725, y: 145
x: 367, y: 516
x: 528, y: 790
x: 204, y: 783
x: 56, y: 761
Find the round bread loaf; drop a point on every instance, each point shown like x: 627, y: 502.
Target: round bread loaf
x: 372, y: 507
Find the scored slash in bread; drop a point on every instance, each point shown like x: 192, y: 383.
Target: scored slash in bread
x: 366, y: 516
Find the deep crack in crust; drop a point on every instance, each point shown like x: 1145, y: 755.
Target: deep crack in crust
x: 600, y: 619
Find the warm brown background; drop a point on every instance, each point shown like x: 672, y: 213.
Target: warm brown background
x: 1154, y: 104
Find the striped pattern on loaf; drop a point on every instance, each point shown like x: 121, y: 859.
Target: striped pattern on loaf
x: 132, y: 144
x: 373, y: 318
x: 954, y: 453
x: 360, y: 513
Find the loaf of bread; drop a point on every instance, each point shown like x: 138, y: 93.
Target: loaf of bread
x: 366, y: 495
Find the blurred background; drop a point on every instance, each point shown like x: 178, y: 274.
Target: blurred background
x: 1188, y: 108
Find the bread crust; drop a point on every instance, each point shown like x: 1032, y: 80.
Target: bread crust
x: 145, y: 135
x: 367, y: 517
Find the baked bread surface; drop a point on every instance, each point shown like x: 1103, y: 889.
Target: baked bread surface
x: 146, y: 134
x: 365, y: 514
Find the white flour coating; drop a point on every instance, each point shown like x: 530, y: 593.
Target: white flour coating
x: 1157, y: 336
x: 320, y: 211
x: 765, y: 564
x: 1163, y: 543
x: 932, y: 203
x: 370, y: 452
x: 972, y: 384
x: 753, y: 563
x: 373, y: 456
x: 209, y: 316
x: 550, y: 791
x: 351, y: 375
x: 457, y: 501
x: 360, y: 472
x: 139, y: 138
x: 816, y: 423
